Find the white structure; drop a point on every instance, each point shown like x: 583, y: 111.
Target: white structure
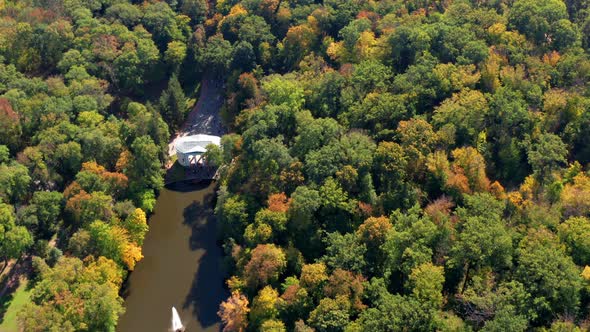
x: 176, y: 323
x: 190, y: 149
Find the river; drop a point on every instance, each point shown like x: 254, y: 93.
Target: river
x: 181, y: 266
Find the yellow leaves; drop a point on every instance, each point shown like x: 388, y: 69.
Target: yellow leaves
x: 93, y: 167
x: 266, y: 301
x: 555, y: 102
x: 238, y: 10
x: 551, y: 58
x: 336, y: 51
x: 258, y: 233
x: 457, y: 77
x: 374, y: 230
x: 497, y: 190
x: 586, y: 273
x: 438, y: 164
x: 299, y: 36
x: 314, y: 24
x: 365, y: 45
x: 575, y: 197
x: 490, y: 72
x: 528, y: 188
x: 136, y: 226
x: 183, y: 20
x: 496, y: 30
x: 235, y: 11
x: 466, y: 173
x: 313, y: 275
x: 235, y: 283
x: 515, y: 199
x: 103, y: 270
x: 131, y: 255
x: 123, y: 161
x: 473, y: 164
x: 265, y: 305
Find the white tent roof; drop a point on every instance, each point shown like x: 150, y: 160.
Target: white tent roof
x: 196, y: 143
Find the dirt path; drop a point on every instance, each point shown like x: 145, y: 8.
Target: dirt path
x: 204, y: 117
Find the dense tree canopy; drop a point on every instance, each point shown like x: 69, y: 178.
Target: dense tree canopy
x: 430, y: 156
x: 393, y: 165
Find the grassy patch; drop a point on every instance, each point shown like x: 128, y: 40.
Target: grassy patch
x: 11, y: 305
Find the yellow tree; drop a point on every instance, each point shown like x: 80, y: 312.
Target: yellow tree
x: 136, y: 226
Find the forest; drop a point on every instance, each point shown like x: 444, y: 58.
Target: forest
x: 393, y: 165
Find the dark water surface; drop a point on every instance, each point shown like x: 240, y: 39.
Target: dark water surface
x: 181, y: 266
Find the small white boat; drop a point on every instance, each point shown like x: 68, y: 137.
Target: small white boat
x: 176, y: 323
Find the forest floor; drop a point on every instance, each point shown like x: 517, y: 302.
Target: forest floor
x: 204, y: 118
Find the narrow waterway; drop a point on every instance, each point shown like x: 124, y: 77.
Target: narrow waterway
x: 181, y: 266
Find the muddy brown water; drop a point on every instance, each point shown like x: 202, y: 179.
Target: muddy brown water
x: 181, y: 265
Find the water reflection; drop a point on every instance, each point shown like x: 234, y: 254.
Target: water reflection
x: 181, y: 267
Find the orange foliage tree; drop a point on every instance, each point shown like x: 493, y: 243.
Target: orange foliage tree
x: 234, y: 313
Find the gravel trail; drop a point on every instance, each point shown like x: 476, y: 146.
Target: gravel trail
x: 204, y: 118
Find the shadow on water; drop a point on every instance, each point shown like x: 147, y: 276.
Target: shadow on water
x: 182, y: 265
x: 207, y: 291
x: 188, y: 186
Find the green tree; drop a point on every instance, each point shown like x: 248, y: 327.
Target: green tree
x: 145, y: 171
x: 232, y: 214
x: 548, y: 274
x: 15, y: 182
x: 345, y: 252
x: 574, y: 233
x: 195, y: 9
x: 162, y: 22
x: 545, y: 155
x: 217, y: 55
x: 172, y: 104
x: 330, y: 315
x: 87, y: 294
x: 426, y: 282
x: 483, y: 238
x: 175, y: 54
x: 394, y: 313
x: 49, y: 205
x: 125, y: 13
x: 14, y: 240
x: 466, y: 111
x: 536, y: 18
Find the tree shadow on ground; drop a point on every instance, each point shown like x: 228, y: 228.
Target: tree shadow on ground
x: 207, y: 291
x: 11, y: 282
